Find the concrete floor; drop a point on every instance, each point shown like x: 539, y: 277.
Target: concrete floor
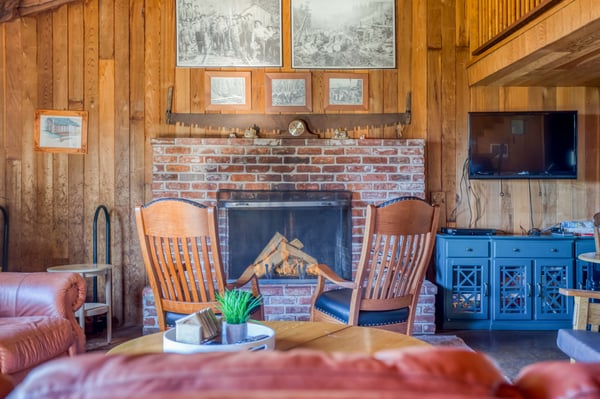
x: 513, y: 350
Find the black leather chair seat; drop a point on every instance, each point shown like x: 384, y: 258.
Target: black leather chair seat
x: 336, y: 303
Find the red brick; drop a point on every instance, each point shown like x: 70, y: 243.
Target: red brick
x: 243, y: 177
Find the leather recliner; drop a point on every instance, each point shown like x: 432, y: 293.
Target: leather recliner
x: 37, y: 319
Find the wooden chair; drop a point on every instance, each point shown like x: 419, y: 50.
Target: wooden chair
x: 582, y: 342
x: 397, y: 246
x: 180, y: 246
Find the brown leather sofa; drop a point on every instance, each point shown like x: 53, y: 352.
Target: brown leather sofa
x: 416, y: 372
x: 37, y: 319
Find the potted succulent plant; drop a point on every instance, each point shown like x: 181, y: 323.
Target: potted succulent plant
x: 236, y: 306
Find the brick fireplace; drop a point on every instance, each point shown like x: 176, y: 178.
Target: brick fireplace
x: 373, y: 170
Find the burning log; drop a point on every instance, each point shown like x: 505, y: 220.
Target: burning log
x: 281, y: 257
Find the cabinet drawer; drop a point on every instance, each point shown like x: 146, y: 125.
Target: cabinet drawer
x: 468, y: 248
x: 532, y: 249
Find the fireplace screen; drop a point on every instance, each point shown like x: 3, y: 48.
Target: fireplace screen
x: 285, y: 233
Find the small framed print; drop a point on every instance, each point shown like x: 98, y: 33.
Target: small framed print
x: 288, y: 92
x: 60, y: 131
x: 346, y: 91
x: 228, y: 90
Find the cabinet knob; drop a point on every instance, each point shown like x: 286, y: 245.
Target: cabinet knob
x: 554, y: 250
x: 469, y: 249
x: 516, y: 250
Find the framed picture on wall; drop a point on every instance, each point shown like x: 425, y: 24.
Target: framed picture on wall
x: 228, y: 33
x: 288, y: 92
x: 60, y: 131
x: 228, y: 90
x: 343, y: 34
x: 346, y: 91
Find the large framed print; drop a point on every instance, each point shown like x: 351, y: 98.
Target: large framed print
x: 228, y: 90
x: 228, y: 33
x: 343, y: 34
x: 288, y: 92
x: 60, y: 131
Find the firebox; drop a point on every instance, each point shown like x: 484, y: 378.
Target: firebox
x: 284, y: 234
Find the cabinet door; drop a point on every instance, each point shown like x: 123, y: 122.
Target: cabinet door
x: 550, y: 275
x: 512, y: 289
x: 467, y: 293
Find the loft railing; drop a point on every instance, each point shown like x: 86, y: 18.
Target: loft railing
x: 494, y: 20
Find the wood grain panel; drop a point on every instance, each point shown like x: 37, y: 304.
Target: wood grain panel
x: 76, y: 89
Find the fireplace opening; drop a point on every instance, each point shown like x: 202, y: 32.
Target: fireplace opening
x: 285, y: 233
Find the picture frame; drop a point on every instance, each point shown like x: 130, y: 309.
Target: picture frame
x: 288, y: 92
x: 337, y: 34
x: 346, y: 91
x: 228, y: 91
x: 60, y: 131
x: 228, y: 33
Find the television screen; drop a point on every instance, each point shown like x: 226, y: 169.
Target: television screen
x: 523, y: 145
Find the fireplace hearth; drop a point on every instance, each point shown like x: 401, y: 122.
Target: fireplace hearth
x: 285, y: 233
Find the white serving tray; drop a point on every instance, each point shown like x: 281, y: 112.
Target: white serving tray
x: 171, y: 345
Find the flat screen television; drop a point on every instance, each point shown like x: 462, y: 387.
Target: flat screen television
x: 523, y: 145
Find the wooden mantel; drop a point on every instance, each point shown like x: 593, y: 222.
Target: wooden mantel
x: 11, y: 9
x: 559, y: 48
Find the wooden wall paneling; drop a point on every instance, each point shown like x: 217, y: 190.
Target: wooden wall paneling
x: 47, y: 24
x: 167, y: 56
x: 181, y: 97
x: 121, y: 234
x: 106, y: 16
x: 258, y: 91
x: 47, y: 241
x: 589, y: 149
x: 454, y: 186
x: 462, y: 23
x: 390, y: 100
x: 3, y: 112
x: 419, y: 71
x: 59, y: 79
x: 76, y: 61
x: 134, y: 275
x: 435, y: 106
x: 318, y: 91
x: 449, y: 107
x: 197, y: 105
x: 404, y: 48
x: 286, y: 36
x: 572, y: 193
x: 375, y: 98
x: 106, y: 134
x: 92, y: 161
x: 13, y: 85
x: 30, y: 233
x: 153, y: 74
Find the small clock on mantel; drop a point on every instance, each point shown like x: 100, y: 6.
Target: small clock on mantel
x: 298, y: 128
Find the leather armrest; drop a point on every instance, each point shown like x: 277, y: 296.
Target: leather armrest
x: 44, y: 294
x: 41, y: 294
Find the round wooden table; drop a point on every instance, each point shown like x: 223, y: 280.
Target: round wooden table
x: 592, y: 257
x: 323, y: 336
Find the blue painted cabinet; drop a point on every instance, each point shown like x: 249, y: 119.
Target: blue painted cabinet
x: 505, y: 282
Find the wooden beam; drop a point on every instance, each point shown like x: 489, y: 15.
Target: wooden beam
x: 11, y: 9
x: 8, y: 10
